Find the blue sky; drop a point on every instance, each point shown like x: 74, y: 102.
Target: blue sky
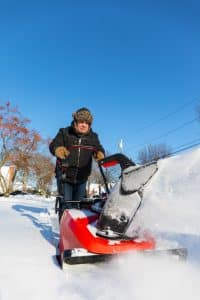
x: 131, y: 62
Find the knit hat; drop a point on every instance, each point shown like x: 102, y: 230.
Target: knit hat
x: 83, y: 114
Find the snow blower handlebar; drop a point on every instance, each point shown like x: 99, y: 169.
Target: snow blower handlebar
x: 104, y: 178
x: 115, y: 159
x: 111, y: 161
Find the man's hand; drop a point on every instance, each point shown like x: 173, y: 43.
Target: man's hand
x: 99, y: 155
x: 61, y: 152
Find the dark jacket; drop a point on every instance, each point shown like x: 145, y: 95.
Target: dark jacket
x: 82, y: 148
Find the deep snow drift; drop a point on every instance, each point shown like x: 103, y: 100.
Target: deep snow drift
x: 170, y: 209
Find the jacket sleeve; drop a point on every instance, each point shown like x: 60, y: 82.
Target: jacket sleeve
x: 98, y: 145
x: 57, y: 141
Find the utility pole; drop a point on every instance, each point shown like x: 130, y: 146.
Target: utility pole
x: 121, y: 146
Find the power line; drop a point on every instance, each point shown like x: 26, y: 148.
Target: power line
x: 181, y: 148
x: 185, y: 147
x: 154, y: 122
x: 194, y: 142
x: 167, y: 133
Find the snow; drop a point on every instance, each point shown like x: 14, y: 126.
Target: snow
x: 170, y: 209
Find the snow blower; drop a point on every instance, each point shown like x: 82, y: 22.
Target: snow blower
x: 97, y: 229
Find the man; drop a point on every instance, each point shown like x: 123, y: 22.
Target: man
x: 74, y: 147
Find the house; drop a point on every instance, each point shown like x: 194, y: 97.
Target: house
x: 7, y: 176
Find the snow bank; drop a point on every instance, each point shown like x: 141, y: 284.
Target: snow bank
x: 171, y: 199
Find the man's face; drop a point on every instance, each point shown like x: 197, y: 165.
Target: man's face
x: 82, y: 126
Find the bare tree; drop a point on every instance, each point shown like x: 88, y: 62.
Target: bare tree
x: 42, y: 169
x: 22, y: 156
x: 153, y: 153
x: 17, y: 144
x: 14, y: 139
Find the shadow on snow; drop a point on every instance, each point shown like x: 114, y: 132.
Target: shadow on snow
x: 34, y: 214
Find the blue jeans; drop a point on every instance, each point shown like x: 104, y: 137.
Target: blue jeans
x: 73, y: 192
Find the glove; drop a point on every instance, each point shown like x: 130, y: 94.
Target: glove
x: 61, y: 152
x: 99, y: 155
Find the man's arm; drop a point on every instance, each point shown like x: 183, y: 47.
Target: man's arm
x: 57, y: 141
x: 100, y: 152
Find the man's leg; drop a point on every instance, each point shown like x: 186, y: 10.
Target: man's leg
x: 79, y: 191
x: 59, y: 182
x: 67, y: 191
x: 67, y: 196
